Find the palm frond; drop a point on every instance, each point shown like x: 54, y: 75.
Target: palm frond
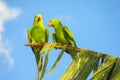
x: 100, y: 65
x: 46, y: 59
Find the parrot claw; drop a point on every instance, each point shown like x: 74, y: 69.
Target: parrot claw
x: 75, y: 58
x: 32, y: 44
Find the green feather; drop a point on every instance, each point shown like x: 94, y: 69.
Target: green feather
x: 63, y: 35
x: 37, y: 34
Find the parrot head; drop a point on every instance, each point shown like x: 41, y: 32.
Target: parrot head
x: 54, y: 22
x: 38, y: 18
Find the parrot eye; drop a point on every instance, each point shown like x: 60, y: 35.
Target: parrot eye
x: 39, y: 18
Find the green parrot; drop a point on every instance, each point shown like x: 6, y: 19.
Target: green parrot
x: 62, y: 35
x: 37, y: 34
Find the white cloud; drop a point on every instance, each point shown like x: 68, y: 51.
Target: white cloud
x: 6, y: 13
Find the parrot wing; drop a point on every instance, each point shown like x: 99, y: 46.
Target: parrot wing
x: 29, y: 36
x: 35, y: 50
x: 54, y: 38
x: 46, y: 34
x: 70, y: 37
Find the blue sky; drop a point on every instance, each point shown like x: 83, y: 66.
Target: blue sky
x: 95, y: 25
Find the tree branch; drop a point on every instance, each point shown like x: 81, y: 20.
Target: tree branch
x: 61, y: 46
x: 58, y: 46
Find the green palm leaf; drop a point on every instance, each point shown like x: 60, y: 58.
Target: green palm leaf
x: 100, y: 65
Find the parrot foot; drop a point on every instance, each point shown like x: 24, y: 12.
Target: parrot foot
x: 75, y: 58
x: 32, y: 44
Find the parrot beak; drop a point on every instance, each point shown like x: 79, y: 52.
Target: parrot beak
x: 49, y: 24
x: 39, y: 18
